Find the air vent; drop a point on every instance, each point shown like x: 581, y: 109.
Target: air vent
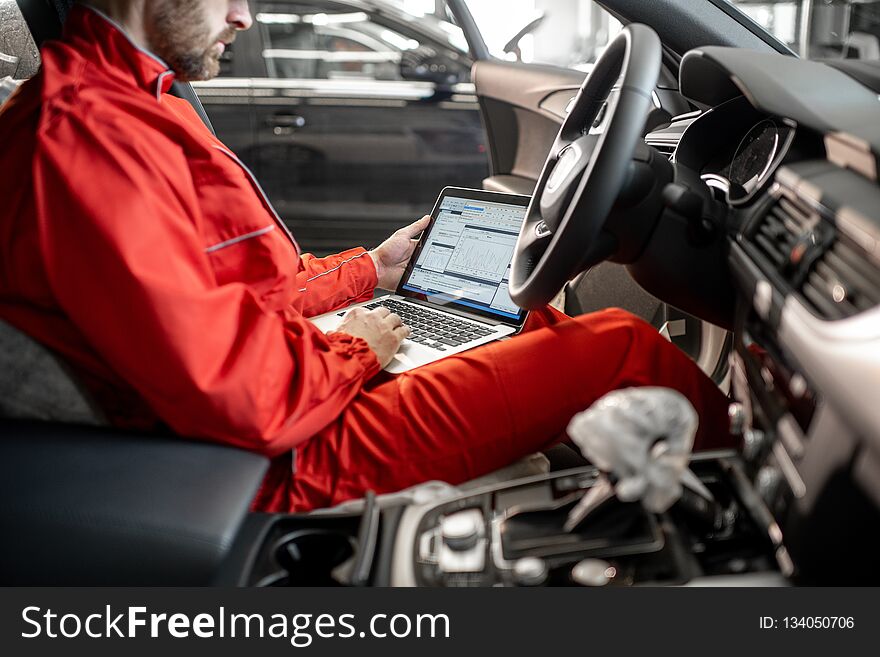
x: 843, y: 282
x: 667, y: 148
x: 785, y: 234
x: 835, y: 276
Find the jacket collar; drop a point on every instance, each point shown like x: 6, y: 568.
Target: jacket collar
x: 107, y: 43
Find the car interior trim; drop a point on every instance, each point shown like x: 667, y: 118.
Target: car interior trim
x: 841, y: 357
x: 848, y: 151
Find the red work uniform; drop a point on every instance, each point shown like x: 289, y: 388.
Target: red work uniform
x: 139, y: 248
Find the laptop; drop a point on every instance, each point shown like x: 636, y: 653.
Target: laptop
x: 453, y: 294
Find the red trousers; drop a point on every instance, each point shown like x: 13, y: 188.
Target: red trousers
x: 469, y: 414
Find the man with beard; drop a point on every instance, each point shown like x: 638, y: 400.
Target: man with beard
x: 137, y: 246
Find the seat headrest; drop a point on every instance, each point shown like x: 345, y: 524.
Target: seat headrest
x: 19, y: 55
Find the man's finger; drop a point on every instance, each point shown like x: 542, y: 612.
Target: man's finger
x: 416, y: 227
x: 393, y: 320
x: 382, y: 311
x: 402, y: 332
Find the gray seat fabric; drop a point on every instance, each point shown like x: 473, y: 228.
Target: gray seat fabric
x: 34, y: 385
x: 19, y: 55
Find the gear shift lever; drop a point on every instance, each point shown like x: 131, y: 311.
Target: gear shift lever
x: 641, y: 440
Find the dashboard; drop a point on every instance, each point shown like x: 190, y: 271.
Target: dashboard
x: 788, y: 174
x: 736, y: 149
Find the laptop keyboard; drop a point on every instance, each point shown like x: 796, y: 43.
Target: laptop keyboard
x: 434, y: 329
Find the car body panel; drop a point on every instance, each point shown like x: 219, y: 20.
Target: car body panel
x: 347, y: 153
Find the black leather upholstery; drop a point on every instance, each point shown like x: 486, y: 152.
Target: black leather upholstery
x: 88, y: 506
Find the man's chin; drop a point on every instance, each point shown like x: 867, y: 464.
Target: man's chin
x: 209, y: 69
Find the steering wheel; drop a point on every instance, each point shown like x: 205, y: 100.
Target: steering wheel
x: 586, y: 170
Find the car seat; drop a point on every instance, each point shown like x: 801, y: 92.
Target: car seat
x: 83, y: 503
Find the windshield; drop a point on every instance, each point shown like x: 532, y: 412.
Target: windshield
x: 818, y: 29
x: 433, y: 18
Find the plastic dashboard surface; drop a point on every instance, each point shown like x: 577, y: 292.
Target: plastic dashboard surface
x: 807, y: 92
x: 803, y: 253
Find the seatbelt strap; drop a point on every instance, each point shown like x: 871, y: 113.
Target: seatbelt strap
x: 42, y: 18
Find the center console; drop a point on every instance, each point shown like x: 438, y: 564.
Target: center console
x: 511, y: 534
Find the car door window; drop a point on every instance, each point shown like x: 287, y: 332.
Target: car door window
x: 567, y: 33
x: 332, y: 41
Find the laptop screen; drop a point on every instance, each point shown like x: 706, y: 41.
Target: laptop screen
x: 465, y: 257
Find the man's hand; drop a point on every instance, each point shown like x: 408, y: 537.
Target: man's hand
x: 382, y: 329
x: 392, y: 255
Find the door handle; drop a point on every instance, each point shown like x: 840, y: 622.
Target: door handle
x: 285, y: 124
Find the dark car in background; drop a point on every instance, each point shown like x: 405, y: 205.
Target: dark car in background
x: 353, y: 115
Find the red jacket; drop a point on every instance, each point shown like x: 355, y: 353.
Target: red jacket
x: 137, y: 246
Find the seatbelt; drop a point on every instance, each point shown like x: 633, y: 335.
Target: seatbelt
x: 42, y: 17
x: 185, y: 91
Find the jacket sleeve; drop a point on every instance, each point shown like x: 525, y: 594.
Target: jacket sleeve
x: 336, y: 281
x: 127, y: 264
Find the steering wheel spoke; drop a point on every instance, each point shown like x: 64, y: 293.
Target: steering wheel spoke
x: 536, y: 239
x: 565, y: 176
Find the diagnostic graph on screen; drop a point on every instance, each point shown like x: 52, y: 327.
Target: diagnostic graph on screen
x: 467, y: 255
x: 436, y: 257
x: 483, y: 254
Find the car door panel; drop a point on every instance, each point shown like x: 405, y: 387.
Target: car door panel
x: 346, y: 148
x: 523, y: 106
x: 353, y: 162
